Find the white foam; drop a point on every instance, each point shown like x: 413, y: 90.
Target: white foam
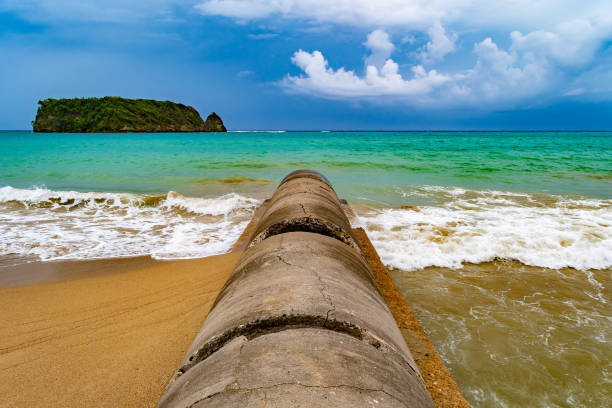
x: 478, y: 226
x: 72, y: 225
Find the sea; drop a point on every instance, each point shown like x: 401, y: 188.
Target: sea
x: 501, y: 242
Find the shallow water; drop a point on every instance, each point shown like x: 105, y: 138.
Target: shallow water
x: 364, y: 166
x: 519, y: 336
x: 501, y: 242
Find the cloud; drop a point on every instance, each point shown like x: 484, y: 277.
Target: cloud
x: 321, y: 80
x: 262, y: 36
x: 414, y: 14
x: 356, y: 13
x: 573, y: 43
x: 238, y: 9
x: 554, y: 46
x: 380, y: 47
x: 439, y: 45
x: 498, y: 79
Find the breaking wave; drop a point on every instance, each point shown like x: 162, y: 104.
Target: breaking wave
x: 467, y: 226
x: 48, y: 225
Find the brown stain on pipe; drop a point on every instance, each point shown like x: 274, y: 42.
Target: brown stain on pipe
x: 439, y: 381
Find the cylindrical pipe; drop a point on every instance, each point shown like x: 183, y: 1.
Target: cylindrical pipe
x: 300, y: 322
x: 304, y: 201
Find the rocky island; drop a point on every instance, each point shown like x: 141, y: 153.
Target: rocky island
x: 115, y: 114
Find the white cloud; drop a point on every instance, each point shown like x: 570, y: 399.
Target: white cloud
x: 415, y: 14
x: 555, y: 46
x: 499, y: 78
x: 380, y: 47
x: 356, y: 13
x: 239, y: 9
x: 552, y: 44
x: 572, y: 43
x: 439, y: 45
x: 321, y: 80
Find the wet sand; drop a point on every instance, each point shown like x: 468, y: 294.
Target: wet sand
x: 59, y: 271
x: 109, y: 339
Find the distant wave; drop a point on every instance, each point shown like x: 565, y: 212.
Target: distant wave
x: 257, y: 131
x: 244, y: 165
x: 236, y: 180
x: 480, y: 226
x: 72, y: 225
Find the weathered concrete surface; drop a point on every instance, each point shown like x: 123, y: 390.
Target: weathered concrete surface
x: 301, y: 321
x: 440, y: 382
x: 305, y: 202
x: 298, y: 367
x: 299, y: 279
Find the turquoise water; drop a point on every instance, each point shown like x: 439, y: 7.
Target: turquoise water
x: 500, y: 242
x: 364, y: 166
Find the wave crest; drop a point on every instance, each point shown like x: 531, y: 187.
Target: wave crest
x: 50, y: 225
x: 468, y: 226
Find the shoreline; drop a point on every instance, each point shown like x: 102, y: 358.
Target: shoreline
x: 41, y: 272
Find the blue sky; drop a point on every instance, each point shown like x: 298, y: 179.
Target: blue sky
x: 315, y: 64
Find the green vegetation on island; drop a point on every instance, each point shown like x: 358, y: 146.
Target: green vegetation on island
x: 115, y: 114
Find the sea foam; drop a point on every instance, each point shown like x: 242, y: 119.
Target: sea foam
x: 478, y: 226
x: 51, y: 225
x: 457, y: 226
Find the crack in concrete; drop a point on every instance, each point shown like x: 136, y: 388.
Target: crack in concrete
x: 303, y: 209
x: 323, y: 289
x: 280, y: 258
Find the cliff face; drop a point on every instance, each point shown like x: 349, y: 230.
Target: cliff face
x: 114, y: 114
x: 214, y: 123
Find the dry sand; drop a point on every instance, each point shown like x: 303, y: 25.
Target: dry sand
x: 111, y: 340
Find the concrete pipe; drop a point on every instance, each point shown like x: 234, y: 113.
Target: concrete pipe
x: 302, y: 367
x: 300, y: 322
x: 305, y: 201
x: 293, y: 282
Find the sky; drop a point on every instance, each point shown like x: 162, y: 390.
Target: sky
x: 319, y: 64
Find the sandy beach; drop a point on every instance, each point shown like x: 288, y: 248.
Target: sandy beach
x: 103, y: 333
